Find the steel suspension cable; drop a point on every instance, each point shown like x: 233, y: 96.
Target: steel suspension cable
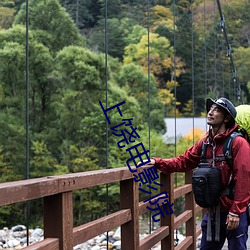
x: 106, y: 83
x: 192, y: 77
x: 175, y: 95
x: 27, y: 207
x: 229, y: 54
x: 148, y: 27
x: 149, y: 121
x: 222, y: 68
x: 205, y: 50
x: 215, y: 52
x: 174, y: 75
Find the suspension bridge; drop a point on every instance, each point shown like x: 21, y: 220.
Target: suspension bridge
x: 59, y: 233
x: 56, y: 192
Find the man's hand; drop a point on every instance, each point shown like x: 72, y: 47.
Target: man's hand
x: 151, y: 163
x: 232, y: 222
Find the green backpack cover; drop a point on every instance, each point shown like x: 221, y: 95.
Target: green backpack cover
x: 243, y: 119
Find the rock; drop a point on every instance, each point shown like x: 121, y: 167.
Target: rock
x: 3, y: 233
x: 18, y: 228
x: 111, y: 233
x: 117, y: 235
x: 91, y: 242
x: 103, y: 243
x: 16, y: 238
x: 100, y: 238
x: 18, y: 234
x: 117, y: 244
x: 111, y: 240
x: 13, y: 243
x: 81, y: 246
x: 38, y: 232
x: 23, y: 240
x: 95, y: 248
x: 18, y: 247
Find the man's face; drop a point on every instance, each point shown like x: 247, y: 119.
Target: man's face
x: 215, y: 116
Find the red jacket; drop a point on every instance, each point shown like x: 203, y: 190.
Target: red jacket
x: 241, y: 167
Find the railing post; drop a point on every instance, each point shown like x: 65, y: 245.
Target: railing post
x: 190, y: 205
x: 129, y: 198
x: 58, y: 219
x: 168, y: 185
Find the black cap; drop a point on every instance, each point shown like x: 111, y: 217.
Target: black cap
x: 223, y: 103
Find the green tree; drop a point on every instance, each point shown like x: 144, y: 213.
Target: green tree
x: 79, y: 74
x: 135, y: 82
x: 13, y: 60
x: 12, y: 124
x: 42, y: 163
x: 117, y: 31
x: 84, y: 13
x: 53, y: 25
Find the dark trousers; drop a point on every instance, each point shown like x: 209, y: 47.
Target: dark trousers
x: 237, y: 238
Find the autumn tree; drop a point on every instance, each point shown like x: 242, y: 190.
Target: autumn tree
x: 7, y: 12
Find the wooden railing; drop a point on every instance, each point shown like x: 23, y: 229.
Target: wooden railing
x: 59, y: 232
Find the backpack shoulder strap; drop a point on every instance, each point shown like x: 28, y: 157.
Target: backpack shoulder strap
x: 203, y: 152
x: 227, y: 148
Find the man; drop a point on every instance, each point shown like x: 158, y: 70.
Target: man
x: 221, y: 115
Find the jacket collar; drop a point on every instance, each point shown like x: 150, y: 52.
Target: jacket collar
x: 221, y: 136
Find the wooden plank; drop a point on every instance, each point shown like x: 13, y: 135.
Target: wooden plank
x: 154, y: 238
x: 46, y: 244
x: 143, y: 205
x: 190, y: 205
x: 90, y: 230
x: 182, y: 218
x: 129, y: 196
x: 58, y: 219
x: 182, y: 190
x: 24, y: 190
x: 94, y: 178
x: 185, y: 244
x: 168, y: 183
x: 198, y: 231
x: 198, y: 208
x: 178, y: 221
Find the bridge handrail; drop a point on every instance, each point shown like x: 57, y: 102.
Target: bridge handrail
x: 59, y: 233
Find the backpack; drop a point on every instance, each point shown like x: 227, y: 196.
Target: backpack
x: 243, y: 120
x: 206, y: 185
x: 206, y: 179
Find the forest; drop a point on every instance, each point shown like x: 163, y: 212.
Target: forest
x: 162, y: 57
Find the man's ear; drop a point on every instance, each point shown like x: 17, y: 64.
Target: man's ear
x: 227, y: 118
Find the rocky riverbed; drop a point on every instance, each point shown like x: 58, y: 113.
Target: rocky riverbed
x: 16, y: 238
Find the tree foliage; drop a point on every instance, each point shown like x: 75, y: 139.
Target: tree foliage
x: 53, y: 25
